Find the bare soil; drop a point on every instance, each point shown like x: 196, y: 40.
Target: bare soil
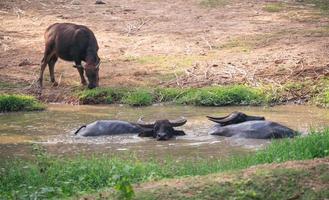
x: 168, y: 43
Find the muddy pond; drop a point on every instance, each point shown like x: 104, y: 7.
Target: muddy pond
x: 53, y: 129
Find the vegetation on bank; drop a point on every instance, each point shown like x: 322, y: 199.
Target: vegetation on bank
x: 208, y: 96
x: 12, y: 102
x: 279, y: 183
x: 300, y: 92
x: 53, y: 177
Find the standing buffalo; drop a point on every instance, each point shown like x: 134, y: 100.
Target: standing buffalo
x: 75, y: 43
x: 239, y: 124
x: 160, y: 129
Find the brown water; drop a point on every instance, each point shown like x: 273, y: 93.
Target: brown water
x: 54, y: 130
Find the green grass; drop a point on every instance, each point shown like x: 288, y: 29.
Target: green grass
x: 274, y: 7
x: 138, y: 98
x: 53, y: 177
x: 321, y: 4
x: 214, y: 3
x: 11, y: 103
x: 208, y: 96
x: 270, y: 184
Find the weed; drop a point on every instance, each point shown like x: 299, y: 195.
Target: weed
x: 10, y: 103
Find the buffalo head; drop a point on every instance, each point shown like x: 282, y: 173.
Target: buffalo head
x: 92, y: 69
x: 161, y: 129
x: 234, y: 118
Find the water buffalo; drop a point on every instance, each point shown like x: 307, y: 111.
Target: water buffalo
x: 108, y: 127
x: 249, y: 127
x: 160, y: 129
x: 71, y: 42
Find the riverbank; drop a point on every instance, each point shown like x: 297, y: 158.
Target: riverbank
x: 47, y: 176
x: 316, y: 93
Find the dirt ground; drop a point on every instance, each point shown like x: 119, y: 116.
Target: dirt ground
x: 170, y: 42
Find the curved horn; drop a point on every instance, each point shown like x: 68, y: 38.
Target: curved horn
x: 178, y: 122
x: 226, y: 119
x: 141, y: 123
x: 217, y: 118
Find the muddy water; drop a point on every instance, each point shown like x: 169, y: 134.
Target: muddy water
x: 54, y: 130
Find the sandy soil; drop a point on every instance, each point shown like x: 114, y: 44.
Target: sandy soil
x: 170, y: 43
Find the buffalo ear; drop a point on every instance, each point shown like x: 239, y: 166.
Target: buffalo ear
x: 179, y: 133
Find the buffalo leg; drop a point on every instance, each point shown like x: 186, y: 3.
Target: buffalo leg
x: 43, y: 67
x: 81, y: 72
x: 51, y: 65
x: 44, y: 62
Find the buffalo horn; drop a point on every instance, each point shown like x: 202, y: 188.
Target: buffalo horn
x: 178, y: 122
x: 224, y: 119
x: 141, y: 123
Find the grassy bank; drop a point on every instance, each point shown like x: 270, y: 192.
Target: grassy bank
x: 270, y: 182
x: 208, y: 96
x: 48, y: 177
x: 301, y: 92
x: 10, y: 103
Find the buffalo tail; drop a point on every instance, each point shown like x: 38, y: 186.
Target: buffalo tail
x: 77, y: 131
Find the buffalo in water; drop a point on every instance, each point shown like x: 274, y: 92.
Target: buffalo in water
x: 238, y: 124
x: 71, y: 42
x: 160, y: 129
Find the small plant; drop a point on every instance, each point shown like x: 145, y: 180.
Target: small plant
x: 10, y: 103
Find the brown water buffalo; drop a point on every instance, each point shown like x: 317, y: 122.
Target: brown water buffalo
x: 75, y: 43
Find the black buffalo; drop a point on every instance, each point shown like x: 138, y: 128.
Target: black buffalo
x: 160, y: 129
x: 71, y: 42
x: 239, y: 124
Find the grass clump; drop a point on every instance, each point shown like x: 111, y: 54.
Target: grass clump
x: 274, y: 7
x: 321, y: 4
x: 221, y: 96
x: 138, y: 98
x: 214, y: 3
x: 12, y: 102
x: 101, y: 95
x: 52, y: 177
